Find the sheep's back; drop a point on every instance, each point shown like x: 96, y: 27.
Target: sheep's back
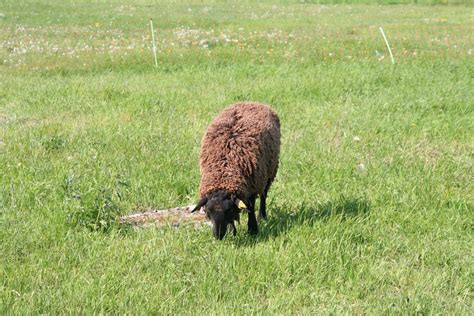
x: 240, y: 150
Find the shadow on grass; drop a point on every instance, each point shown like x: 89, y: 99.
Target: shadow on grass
x: 282, y: 219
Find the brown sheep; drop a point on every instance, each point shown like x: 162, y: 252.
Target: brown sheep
x: 239, y: 160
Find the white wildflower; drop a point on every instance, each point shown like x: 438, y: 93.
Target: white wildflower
x: 361, y: 168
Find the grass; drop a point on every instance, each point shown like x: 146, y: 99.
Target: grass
x: 372, y: 209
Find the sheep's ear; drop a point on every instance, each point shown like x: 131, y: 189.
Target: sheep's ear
x: 200, y: 204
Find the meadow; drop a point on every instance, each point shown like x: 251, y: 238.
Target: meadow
x: 371, y: 211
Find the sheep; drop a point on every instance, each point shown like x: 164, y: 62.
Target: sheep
x: 238, y: 162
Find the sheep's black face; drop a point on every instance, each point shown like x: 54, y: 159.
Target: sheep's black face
x: 221, y: 208
x: 222, y: 213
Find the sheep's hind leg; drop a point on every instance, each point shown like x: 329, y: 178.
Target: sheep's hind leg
x: 262, y: 212
x: 252, y: 222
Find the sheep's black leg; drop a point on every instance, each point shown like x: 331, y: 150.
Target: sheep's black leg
x: 252, y: 223
x: 253, y: 226
x: 262, y: 212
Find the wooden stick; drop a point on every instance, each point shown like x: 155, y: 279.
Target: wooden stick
x: 165, y: 217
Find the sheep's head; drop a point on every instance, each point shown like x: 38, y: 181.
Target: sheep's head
x: 223, y: 209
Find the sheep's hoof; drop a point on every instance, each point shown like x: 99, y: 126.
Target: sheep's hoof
x: 253, y: 231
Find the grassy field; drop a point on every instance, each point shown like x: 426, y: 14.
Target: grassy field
x: 372, y: 209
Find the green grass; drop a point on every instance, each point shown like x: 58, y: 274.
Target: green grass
x: 372, y: 208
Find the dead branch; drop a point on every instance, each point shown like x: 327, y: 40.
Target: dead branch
x: 173, y: 217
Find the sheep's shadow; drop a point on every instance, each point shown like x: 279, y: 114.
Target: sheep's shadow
x: 282, y: 220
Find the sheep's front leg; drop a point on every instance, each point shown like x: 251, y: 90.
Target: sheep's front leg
x: 252, y: 223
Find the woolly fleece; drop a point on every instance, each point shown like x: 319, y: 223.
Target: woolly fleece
x: 240, y: 149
